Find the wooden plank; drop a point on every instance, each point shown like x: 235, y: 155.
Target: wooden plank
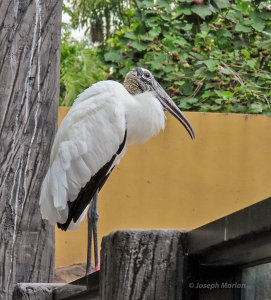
x: 29, y: 89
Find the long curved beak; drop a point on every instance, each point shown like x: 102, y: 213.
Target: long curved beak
x: 170, y: 106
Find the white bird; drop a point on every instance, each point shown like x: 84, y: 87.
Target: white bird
x: 103, y: 121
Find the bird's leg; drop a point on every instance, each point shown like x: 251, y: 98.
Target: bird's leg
x: 95, y: 217
x: 89, y: 245
x: 92, y: 234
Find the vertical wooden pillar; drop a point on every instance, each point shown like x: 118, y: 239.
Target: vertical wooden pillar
x: 142, y: 264
x: 29, y: 89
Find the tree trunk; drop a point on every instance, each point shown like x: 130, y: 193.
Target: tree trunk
x: 142, y: 264
x: 29, y: 80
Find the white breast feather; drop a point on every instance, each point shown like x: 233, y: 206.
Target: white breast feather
x: 145, y: 119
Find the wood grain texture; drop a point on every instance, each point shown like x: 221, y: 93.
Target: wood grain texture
x: 142, y: 264
x: 34, y: 291
x: 29, y: 80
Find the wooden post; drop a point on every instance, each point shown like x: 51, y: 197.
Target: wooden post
x: 142, y: 264
x: 29, y: 90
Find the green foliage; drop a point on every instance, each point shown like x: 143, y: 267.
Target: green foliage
x: 97, y: 16
x: 213, y: 56
x: 80, y: 67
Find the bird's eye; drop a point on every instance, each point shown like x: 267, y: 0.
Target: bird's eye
x: 147, y: 75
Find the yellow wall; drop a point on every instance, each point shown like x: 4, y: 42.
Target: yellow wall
x: 174, y: 182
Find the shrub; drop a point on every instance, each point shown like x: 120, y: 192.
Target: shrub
x: 211, y: 56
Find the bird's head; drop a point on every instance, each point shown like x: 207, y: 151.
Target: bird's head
x: 141, y: 80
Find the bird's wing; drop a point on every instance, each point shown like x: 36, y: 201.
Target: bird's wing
x: 78, y: 206
x: 84, y: 150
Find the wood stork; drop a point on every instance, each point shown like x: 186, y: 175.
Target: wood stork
x: 93, y: 137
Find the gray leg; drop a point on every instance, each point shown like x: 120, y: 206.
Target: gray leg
x: 92, y: 234
x: 95, y: 217
x: 89, y: 243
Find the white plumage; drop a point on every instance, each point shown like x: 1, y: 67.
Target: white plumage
x: 89, y: 136
x: 93, y: 137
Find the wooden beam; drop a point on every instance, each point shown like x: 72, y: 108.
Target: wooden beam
x: 241, y: 238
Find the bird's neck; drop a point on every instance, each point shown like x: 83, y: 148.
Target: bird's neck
x: 145, y: 117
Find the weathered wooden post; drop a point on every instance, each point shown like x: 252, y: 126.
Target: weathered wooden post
x: 135, y: 264
x: 29, y: 88
x: 142, y: 264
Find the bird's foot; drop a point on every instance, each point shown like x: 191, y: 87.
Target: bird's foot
x: 97, y: 267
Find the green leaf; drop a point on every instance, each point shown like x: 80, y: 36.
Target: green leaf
x: 211, y: 64
x: 179, y: 83
x: 168, y: 41
x: 255, y: 108
x: 225, y: 70
x: 263, y: 76
x: 169, y: 69
x: 239, y: 108
x: 215, y: 107
x: 161, y: 57
x: 130, y: 35
x: 165, y: 18
x: 252, y: 63
x: 258, y: 21
x: 224, y: 33
x: 219, y: 101
x: 265, y: 15
x: 205, y: 107
x: 242, y: 28
x: 153, y: 65
x: 139, y: 46
x: 224, y: 94
x: 247, y: 22
x: 192, y: 100
x: 163, y: 4
x: 207, y: 94
x: 154, y: 32
x: 184, y: 10
x: 113, y: 56
x: 180, y: 41
x: 202, y: 10
x: 222, y: 3
x: 258, y: 26
x: 187, y: 88
x: 184, y: 104
x: 146, y: 38
x: 187, y: 27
